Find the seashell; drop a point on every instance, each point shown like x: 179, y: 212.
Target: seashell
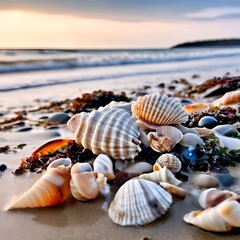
x: 228, y: 98
x: 227, y: 130
x: 185, y: 130
x: 163, y: 175
x: 156, y: 110
x: 205, y: 181
x: 165, y: 138
x: 180, y: 192
x: 212, y: 197
x: 111, y: 131
x: 121, y: 105
x: 138, y: 168
x: 81, y: 167
x: 139, y: 202
x: 103, y: 164
x: 191, y: 140
x: 63, y: 163
x: 170, y: 161
x: 196, y: 108
x: 51, y: 189
x: 221, y: 218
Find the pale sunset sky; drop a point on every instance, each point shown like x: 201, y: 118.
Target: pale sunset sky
x: 78, y: 24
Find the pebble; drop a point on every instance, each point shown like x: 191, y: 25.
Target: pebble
x: 205, y: 181
x: 3, y: 167
x: 208, y: 122
x: 225, y: 179
x: 59, y: 118
x: 24, y: 129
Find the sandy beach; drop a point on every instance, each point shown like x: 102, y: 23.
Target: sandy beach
x: 84, y: 220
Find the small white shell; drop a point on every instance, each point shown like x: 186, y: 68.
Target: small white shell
x: 81, y: 167
x: 103, y: 164
x: 191, y: 140
x: 139, y: 202
x: 138, y: 168
x: 64, y: 163
x: 111, y: 131
x: 170, y: 161
x: 180, y: 192
x: 205, y: 181
x: 165, y: 138
x: 156, y: 110
x: 121, y: 105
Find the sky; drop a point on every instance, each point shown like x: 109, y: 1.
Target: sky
x: 101, y: 24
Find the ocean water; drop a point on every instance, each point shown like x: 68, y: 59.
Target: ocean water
x: 28, y: 74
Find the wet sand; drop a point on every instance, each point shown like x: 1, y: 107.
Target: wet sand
x: 83, y: 220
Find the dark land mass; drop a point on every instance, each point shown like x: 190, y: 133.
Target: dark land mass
x: 210, y: 43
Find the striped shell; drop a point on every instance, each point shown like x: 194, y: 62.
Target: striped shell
x: 170, y: 161
x: 139, y: 202
x: 156, y: 110
x: 51, y: 189
x: 111, y: 131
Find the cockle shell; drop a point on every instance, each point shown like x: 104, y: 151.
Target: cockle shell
x: 156, y: 110
x: 139, y: 202
x: 51, y: 189
x: 168, y: 160
x: 103, y: 164
x: 110, y: 131
x: 85, y: 185
x: 162, y: 175
x: 212, y: 196
x: 228, y: 98
x: 221, y: 218
x: 196, y: 108
x: 164, y: 139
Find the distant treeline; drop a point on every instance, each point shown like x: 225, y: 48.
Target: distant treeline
x: 210, y: 43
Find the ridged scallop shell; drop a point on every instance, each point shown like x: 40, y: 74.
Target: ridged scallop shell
x: 158, y: 110
x: 228, y: 98
x: 51, y: 189
x: 103, y: 164
x: 110, y: 131
x: 212, y: 197
x: 168, y: 160
x: 139, y: 202
x: 164, y: 139
x: 221, y: 218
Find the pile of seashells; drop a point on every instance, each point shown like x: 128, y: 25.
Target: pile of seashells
x: 116, y: 131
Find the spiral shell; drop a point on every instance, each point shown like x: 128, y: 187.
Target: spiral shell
x: 139, y: 202
x: 156, y: 110
x: 168, y: 160
x: 110, y: 131
x: 51, y: 189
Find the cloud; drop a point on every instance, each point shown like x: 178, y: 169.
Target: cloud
x: 213, y: 13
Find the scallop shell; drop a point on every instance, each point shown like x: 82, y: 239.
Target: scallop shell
x: 170, y: 161
x: 51, y: 189
x: 228, y: 98
x: 139, y: 202
x: 196, y: 108
x: 110, y: 131
x: 221, y: 218
x: 164, y: 139
x: 212, y: 197
x: 103, y: 164
x: 156, y: 110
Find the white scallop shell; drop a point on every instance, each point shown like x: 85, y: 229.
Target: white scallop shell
x: 170, y: 161
x: 164, y: 139
x: 221, y: 218
x: 103, y: 164
x: 156, y: 109
x: 110, y: 131
x: 139, y: 202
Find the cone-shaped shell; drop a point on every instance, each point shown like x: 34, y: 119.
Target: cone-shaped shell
x: 164, y: 139
x: 110, y: 131
x: 139, y: 202
x: 168, y: 160
x: 103, y: 164
x: 158, y: 110
x: 51, y: 189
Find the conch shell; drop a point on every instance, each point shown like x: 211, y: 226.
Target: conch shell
x: 164, y: 139
x: 139, y: 202
x: 155, y: 110
x: 221, y: 218
x: 228, y: 98
x: 51, y: 189
x: 111, y: 131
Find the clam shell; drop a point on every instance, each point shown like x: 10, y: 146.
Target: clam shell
x: 103, y: 164
x: 139, y: 202
x: 158, y: 110
x: 110, y: 131
x: 51, y: 189
x: 164, y: 139
x: 168, y: 160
